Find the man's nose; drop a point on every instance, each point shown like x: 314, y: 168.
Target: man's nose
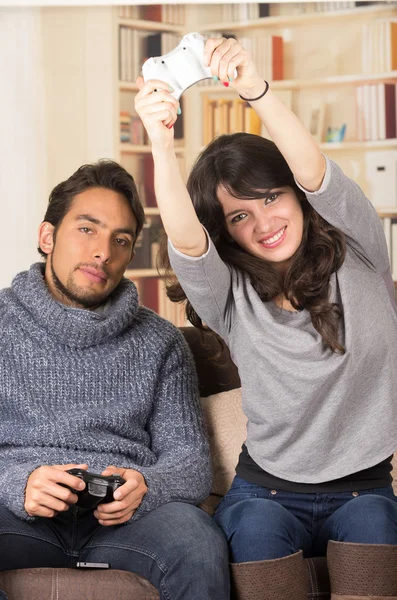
x: 102, y: 252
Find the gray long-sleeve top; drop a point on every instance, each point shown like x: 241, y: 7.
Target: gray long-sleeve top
x: 313, y: 415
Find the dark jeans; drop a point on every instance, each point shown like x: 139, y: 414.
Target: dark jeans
x: 262, y: 524
x: 177, y: 547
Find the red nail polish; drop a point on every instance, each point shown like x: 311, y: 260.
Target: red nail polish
x: 225, y: 83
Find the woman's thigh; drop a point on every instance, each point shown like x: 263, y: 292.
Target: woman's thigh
x: 257, y: 527
x: 368, y: 518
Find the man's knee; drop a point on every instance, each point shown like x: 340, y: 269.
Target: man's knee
x: 196, y: 532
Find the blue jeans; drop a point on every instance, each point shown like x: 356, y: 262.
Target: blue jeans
x: 177, y: 547
x: 262, y: 524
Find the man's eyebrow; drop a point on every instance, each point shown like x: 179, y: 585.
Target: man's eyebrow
x: 96, y: 221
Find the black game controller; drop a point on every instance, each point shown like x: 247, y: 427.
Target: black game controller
x: 98, y: 490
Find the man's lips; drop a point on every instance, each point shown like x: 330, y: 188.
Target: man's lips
x: 94, y: 274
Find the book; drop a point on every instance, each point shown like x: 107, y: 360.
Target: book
x: 394, y: 248
x: 152, y: 12
x: 142, y: 257
x: 277, y: 57
x: 150, y: 295
x: 387, y: 230
x: 390, y: 110
x: 148, y: 180
x: 252, y: 123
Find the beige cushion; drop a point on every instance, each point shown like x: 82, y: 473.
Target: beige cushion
x: 227, y: 428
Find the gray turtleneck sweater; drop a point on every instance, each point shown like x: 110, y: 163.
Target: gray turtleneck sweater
x: 115, y: 387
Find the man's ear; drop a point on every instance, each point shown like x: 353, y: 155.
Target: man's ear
x: 46, y: 237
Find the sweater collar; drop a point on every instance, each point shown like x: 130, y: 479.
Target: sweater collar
x: 75, y: 326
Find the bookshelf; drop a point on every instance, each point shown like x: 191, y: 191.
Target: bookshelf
x: 316, y: 74
x: 141, y: 32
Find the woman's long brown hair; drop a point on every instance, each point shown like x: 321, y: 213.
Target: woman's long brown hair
x: 244, y: 163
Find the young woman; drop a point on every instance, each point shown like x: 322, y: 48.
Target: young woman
x: 283, y: 256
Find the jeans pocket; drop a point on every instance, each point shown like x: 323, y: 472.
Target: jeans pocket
x: 233, y: 498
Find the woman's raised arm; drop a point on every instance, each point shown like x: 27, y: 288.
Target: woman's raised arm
x: 158, y: 111
x: 293, y: 140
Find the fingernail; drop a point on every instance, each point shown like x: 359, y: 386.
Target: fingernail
x: 170, y: 126
x: 179, y: 112
x: 230, y: 79
x: 117, y: 495
x: 170, y: 88
x: 215, y: 78
x: 225, y: 83
x: 81, y: 485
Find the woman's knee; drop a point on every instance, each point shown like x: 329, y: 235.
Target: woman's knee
x: 260, y: 529
x: 369, y: 518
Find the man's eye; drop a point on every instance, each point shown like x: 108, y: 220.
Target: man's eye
x: 121, y: 242
x: 239, y: 217
x: 85, y: 229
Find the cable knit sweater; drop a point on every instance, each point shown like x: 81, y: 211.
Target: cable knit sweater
x: 114, y: 387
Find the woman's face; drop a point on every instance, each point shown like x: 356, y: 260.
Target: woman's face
x: 270, y: 228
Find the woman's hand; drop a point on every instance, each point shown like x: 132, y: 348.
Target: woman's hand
x: 157, y: 109
x: 224, y: 56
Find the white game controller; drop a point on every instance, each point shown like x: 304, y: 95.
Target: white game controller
x: 182, y: 67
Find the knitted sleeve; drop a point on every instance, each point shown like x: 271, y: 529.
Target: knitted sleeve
x: 182, y: 471
x: 13, y: 480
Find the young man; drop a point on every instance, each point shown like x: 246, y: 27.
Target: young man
x: 90, y: 379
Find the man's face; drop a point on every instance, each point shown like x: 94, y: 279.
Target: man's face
x: 92, y: 248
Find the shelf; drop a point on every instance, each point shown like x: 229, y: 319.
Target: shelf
x: 138, y: 149
x: 340, y: 146
x: 150, y: 25
x: 387, y: 213
x: 142, y: 273
x: 128, y: 86
x: 151, y: 211
x: 287, y: 21
x: 291, y: 84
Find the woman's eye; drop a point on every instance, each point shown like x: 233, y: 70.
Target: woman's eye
x: 239, y: 217
x: 272, y: 197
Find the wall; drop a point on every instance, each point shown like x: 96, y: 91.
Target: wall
x: 23, y: 159
x: 57, y: 111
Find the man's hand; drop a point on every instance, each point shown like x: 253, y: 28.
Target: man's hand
x: 127, y: 497
x: 44, y: 497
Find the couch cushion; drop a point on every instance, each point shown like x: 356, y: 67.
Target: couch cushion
x: 68, y: 584
x: 226, y: 425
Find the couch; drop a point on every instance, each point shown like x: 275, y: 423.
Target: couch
x: 221, y: 401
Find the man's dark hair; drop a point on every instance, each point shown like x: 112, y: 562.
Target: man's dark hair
x: 105, y: 174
